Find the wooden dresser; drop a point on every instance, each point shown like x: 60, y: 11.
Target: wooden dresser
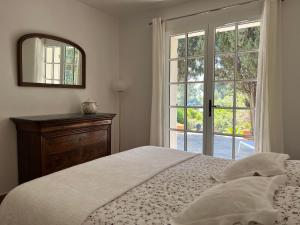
x: 47, y: 144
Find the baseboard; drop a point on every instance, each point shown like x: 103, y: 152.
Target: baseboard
x: 2, y: 197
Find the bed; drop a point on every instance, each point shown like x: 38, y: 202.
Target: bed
x: 147, y: 185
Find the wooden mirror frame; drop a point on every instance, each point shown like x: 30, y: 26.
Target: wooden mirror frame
x: 20, y: 62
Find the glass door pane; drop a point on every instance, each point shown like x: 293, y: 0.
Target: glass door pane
x: 177, y: 139
x: 195, y: 142
x: 223, y: 146
x: 186, y: 91
x: 234, y: 89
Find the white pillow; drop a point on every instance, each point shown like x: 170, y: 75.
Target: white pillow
x: 240, y: 201
x: 263, y: 164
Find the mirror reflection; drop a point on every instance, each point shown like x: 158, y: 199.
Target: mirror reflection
x: 47, y: 61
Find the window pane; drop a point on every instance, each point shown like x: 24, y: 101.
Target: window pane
x: 49, y: 55
x: 224, y: 67
x: 196, y: 69
x: 177, y: 94
x: 244, y: 147
x: 77, y: 55
x: 76, y: 76
x: 195, y: 119
x: 177, y: 71
x: 195, y: 142
x: 57, y: 54
x: 247, y: 65
x: 249, y: 35
x: 177, y: 140
x: 244, y: 123
x: 57, y: 71
x: 223, y: 94
x: 223, y: 146
x: 69, y: 74
x: 195, y: 94
x: 225, y: 39
x: 196, y: 43
x: 223, y: 121
x: 70, y: 54
x: 246, y: 94
x: 177, y: 118
x: 178, y: 46
x: 49, y: 71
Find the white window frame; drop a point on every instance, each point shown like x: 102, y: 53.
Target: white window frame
x: 234, y: 107
x: 62, y: 64
x: 168, y: 83
x: 209, y: 22
x: 53, y: 63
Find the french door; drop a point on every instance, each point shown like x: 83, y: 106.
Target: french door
x: 212, y: 89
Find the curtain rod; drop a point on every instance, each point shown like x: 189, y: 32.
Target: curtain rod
x: 211, y: 10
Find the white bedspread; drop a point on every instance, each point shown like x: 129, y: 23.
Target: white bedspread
x: 69, y: 196
x: 167, y: 194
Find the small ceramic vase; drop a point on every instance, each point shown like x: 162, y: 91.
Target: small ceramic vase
x: 89, y: 107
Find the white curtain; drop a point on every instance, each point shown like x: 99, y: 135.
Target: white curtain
x: 158, y: 69
x: 39, y: 61
x: 268, y: 119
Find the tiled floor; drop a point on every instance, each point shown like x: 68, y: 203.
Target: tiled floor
x: 222, y: 145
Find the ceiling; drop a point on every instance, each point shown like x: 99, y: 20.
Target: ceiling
x: 120, y: 8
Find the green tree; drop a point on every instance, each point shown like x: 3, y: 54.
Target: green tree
x: 226, y: 62
x: 246, y: 64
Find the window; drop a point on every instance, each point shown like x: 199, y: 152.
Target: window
x: 62, y: 65
x: 212, y: 90
x: 53, y: 65
x: 234, y: 83
x: 71, y: 65
x: 187, y: 90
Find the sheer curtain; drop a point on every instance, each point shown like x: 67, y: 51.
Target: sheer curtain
x: 39, y: 61
x: 268, y: 123
x: 158, y: 69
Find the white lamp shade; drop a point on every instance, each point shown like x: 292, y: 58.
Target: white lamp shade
x: 120, y: 86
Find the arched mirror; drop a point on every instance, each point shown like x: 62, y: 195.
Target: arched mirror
x: 50, y: 61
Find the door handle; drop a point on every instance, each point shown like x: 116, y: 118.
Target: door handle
x: 210, y: 106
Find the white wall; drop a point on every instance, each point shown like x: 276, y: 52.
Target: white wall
x: 291, y: 77
x: 96, y: 32
x: 135, y: 67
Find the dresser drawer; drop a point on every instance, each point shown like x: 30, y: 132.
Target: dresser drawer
x: 64, y: 151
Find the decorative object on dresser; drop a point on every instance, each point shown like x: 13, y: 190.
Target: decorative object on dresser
x: 47, y: 144
x: 89, y: 106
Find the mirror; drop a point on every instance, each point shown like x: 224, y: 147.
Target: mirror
x: 49, y: 61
